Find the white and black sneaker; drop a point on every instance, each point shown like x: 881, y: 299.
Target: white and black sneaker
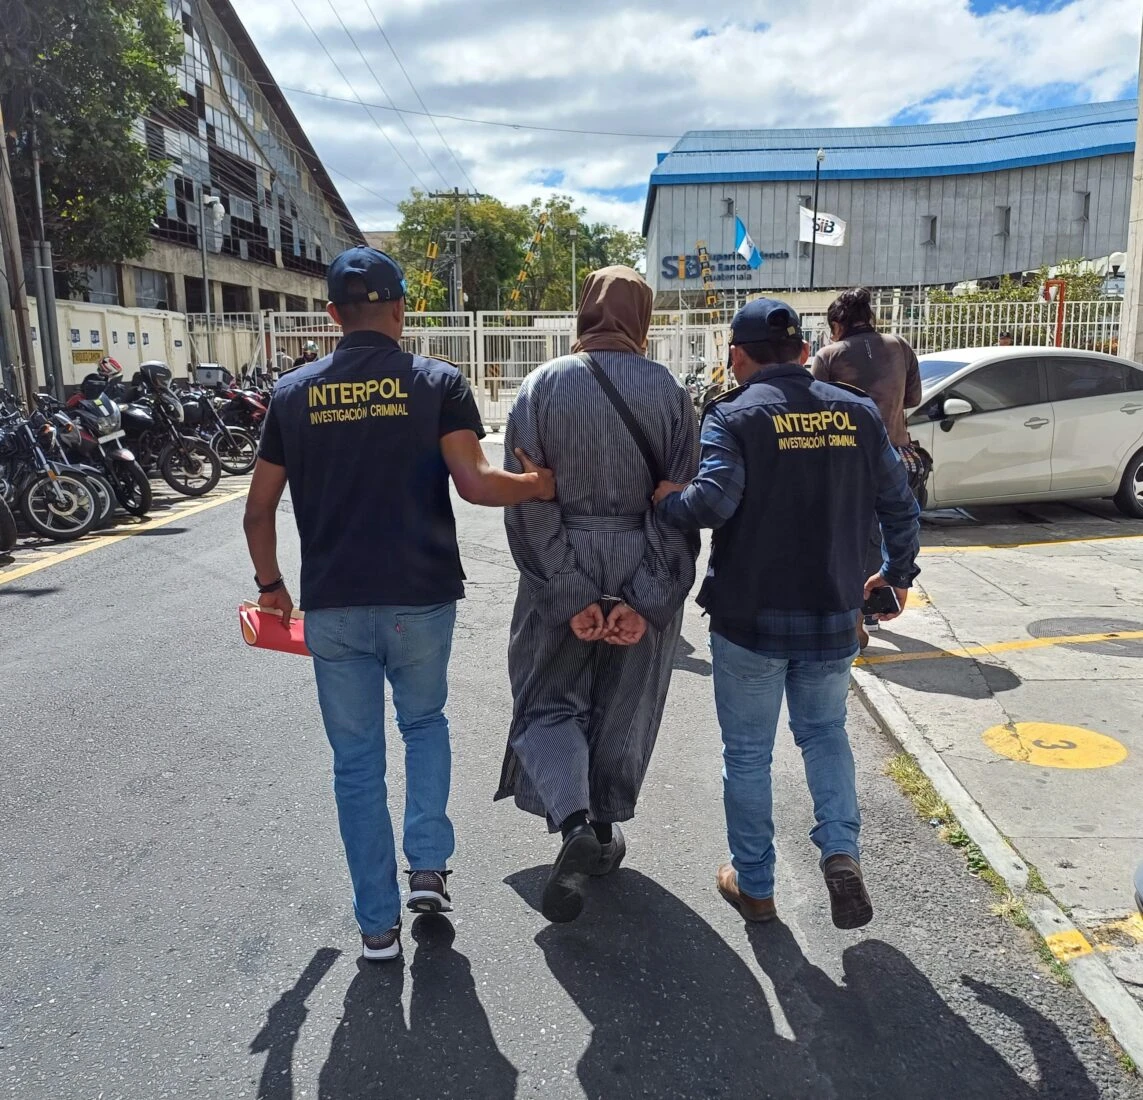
x: 872, y: 623
x: 428, y: 892
x: 382, y: 947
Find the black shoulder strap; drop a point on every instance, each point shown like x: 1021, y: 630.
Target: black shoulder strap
x: 627, y: 416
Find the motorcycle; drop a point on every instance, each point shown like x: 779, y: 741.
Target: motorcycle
x: 56, y: 501
x: 60, y: 438
x: 245, y: 409
x: 153, y: 421
x: 237, y: 449
x: 99, y: 444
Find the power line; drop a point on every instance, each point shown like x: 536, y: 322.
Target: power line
x: 384, y: 92
x: 478, y: 121
x: 412, y: 171
x: 424, y: 106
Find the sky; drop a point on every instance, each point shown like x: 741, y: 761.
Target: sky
x: 586, y: 93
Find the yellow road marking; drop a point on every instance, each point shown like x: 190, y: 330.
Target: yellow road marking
x: 1050, y: 745
x: 100, y: 541
x: 1068, y: 945
x: 992, y: 547
x: 1000, y: 647
x: 1115, y: 934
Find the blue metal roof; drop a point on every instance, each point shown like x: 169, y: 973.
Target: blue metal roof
x: 881, y: 152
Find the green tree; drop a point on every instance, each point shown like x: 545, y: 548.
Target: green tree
x: 77, y: 74
x: 494, y: 256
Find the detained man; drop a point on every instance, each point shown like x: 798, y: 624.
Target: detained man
x: 367, y: 439
x: 792, y: 469
x: 602, y: 581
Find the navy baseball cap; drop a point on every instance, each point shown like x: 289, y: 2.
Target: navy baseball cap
x: 765, y: 321
x: 382, y: 275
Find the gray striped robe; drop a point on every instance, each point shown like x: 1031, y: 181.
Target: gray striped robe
x: 586, y: 715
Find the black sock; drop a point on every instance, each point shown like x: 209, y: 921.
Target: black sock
x: 602, y: 831
x: 573, y: 821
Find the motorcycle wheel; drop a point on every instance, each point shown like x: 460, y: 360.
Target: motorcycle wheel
x: 132, y: 487
x: 104, y: 494
x: 237, y: 420
x: 192, y: 468
x: 61, y: 510
x: 238, y: 453
x: 8, y: 532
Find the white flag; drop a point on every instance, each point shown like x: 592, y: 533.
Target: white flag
x: 831, y: 229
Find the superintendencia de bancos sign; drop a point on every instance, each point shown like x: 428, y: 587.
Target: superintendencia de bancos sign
x: 728, y: 267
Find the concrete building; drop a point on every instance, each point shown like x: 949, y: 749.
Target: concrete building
x: 233, y: 138
x: 924, y: 205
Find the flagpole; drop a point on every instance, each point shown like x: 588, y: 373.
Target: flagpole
x: 814, y: 235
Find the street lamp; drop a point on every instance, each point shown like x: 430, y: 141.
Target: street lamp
x: 814, y: 235
x: 213, y: 210
x: 573, y: 288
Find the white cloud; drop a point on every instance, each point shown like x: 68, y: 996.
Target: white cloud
x: 657, y: 67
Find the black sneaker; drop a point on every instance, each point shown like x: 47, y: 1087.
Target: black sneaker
x: 563, y: 896
x: 383, y: 947
x: 848, y: 898
x: 428, y: 892
x: 610, y: 854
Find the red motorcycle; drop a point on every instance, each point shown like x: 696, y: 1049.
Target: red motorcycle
x: 245, y: 409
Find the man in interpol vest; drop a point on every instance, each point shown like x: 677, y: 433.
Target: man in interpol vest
x: 367, y: 439
x: 791, y: 470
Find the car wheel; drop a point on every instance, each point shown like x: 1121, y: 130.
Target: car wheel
x: 1129, y: 499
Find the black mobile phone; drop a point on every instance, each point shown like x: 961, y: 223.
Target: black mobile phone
x: 881, y: 601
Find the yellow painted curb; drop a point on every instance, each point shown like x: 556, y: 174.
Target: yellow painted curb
x: 1068, y: 945
x: 1000, y: 647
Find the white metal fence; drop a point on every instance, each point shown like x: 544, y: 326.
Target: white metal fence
x: 497, y: 350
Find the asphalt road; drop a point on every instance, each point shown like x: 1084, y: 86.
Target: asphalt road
x: 175, y: 915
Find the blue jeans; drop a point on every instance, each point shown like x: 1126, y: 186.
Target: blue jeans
x: 354, y: 650
x: 748, y: 690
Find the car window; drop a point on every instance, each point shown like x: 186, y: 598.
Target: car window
x: 1072, y: 378
x: 1004, y: 385
x: 933, y: 370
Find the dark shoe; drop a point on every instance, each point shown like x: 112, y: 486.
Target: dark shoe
x: 610, y: 854
x: 753, y: 909
x: 428, y: 892
x: 848, y: 897
x: 871, y: 623
x: 383, y: 947
x: 563, y: 896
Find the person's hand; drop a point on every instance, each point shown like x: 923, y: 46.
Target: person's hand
x: 665, y: 489
x: 278, y: 601
x: 545, y: 479
x: 878, y: 581
x: 625, y: 626
x: 588, y: 625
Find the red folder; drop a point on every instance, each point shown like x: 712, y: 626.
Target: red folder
x: 262, y: 628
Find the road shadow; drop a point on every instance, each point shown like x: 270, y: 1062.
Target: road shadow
x: 685, y: 662
x: 26, y: 593
x: 160, y: 531
x: 676, y: 1012
x: 447, y: 1049
x: 886, y: 1032
x: 950, y: 674
x: 284, y: 1021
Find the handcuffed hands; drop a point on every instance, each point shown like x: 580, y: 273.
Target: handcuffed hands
x: 622, y: 626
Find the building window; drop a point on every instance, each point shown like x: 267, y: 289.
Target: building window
x: 235, y: 299
x: 1083, y: 205
x: 101, y: 285
x: 294, y: 304
x: 152, y: 289
x: 1003, y: 221
x: 928, y: 229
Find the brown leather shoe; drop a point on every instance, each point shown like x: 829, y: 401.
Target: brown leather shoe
x: 753, y: 909
x: 848, y: 897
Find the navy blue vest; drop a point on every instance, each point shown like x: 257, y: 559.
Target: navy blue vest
x: 359, y: 434
x: 798, y: 539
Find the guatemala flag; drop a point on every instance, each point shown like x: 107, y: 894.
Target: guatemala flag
x: 744, y: 246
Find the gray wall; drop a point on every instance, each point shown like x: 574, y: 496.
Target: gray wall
x: 886, y: 225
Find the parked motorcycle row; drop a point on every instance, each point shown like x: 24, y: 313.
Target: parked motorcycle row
x: 65, y: 467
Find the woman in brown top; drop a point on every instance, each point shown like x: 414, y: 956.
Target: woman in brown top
x: 882, y: 365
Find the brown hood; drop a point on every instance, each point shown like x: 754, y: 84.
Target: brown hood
x: 614, y: 312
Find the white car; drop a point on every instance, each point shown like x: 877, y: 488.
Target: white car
x: 1008, y: 425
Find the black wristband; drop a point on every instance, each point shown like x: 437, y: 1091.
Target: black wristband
x: 273, y: 586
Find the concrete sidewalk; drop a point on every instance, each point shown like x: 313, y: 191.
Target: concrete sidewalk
x: 1021, y: 664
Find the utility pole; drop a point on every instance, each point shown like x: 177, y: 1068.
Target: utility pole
x: 45, y: 284
x: 15, y: 306
x: 459, y: 238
